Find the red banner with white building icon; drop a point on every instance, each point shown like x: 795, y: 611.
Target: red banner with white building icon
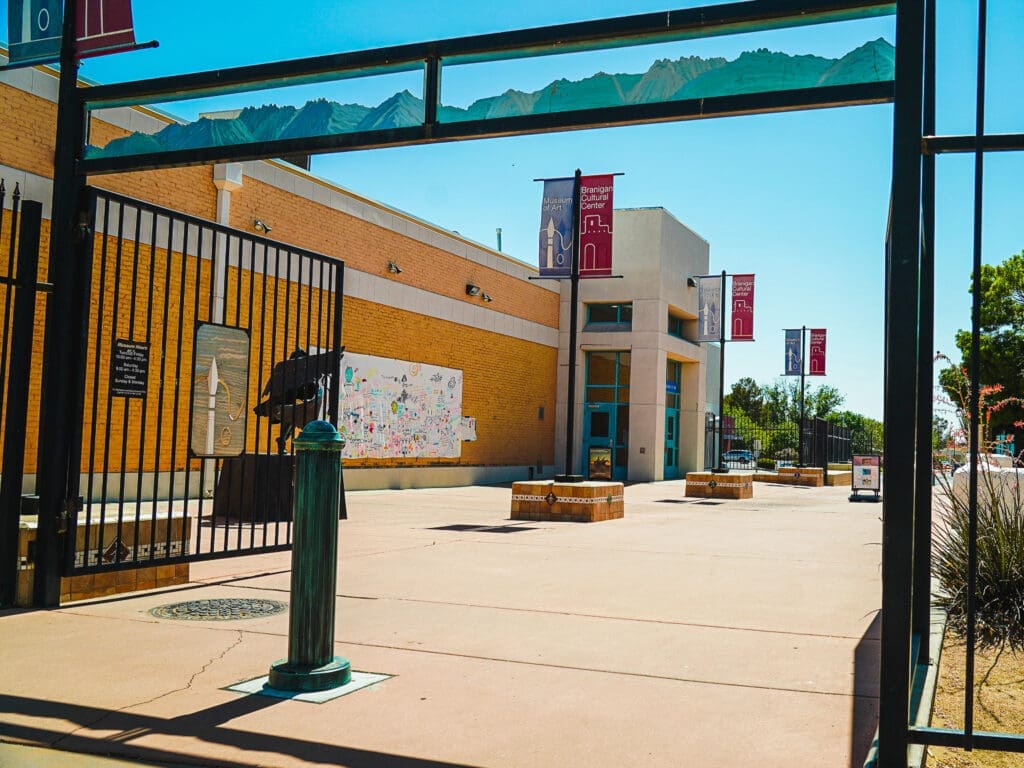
x: 596, y: 225
x: 817, y: 352
x: 742, y: 307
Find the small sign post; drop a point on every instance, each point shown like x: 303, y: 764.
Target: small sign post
x: 867, y: 476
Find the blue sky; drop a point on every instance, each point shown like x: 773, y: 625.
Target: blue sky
x: 800, y: 199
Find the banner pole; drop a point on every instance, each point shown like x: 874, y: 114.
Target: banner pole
x: 803, y: 366
x: 721, y: 377
x: 568, y: 475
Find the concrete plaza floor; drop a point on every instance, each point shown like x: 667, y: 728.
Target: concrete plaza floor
x: 689, y: 633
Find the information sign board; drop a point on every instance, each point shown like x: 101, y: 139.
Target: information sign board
x: 129, y: 368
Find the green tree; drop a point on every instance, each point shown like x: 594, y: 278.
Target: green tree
x: 1001, y: 359
x: 782, y: 400
x: 746, y: 398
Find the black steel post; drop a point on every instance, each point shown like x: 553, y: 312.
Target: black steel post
x: 922, y: 592
x: 61, y: 333
x: 16, y: 404
x: 721, y: 377
x: 803, y: 371
x: 574, y: 295
x: 976, y: 446
x: 901, y: 346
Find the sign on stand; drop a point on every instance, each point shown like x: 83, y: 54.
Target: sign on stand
x: 867, y: 476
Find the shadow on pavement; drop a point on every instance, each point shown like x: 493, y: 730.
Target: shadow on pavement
x: 205, y: 725
x: 865, y: 683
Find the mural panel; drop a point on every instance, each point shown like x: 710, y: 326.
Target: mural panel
x: 400, y: 409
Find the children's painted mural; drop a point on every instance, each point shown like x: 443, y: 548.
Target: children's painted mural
x: 399, y: 409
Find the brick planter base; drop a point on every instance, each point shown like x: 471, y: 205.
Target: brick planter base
x: 110, y: 582
x: 588, y: 502
x: 709, y: 485
x: 807, y: 476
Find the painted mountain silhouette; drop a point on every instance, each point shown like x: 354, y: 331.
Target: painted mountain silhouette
x: 666, y: 77
x: 877, y: 58
x: 688, y: 77
x: 322, y: 117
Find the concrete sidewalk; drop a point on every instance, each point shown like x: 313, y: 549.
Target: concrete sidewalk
x: 689, y: 633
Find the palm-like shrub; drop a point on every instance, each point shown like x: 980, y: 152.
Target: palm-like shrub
x: 999, y: 589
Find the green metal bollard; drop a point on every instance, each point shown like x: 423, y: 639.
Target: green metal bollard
x: 311, y: 664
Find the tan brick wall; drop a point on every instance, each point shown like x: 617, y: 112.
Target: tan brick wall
x: 369, y: 248
x: 505, y: 380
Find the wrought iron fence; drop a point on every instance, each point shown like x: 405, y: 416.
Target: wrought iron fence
x: 207, y: 348
x: 746, y: 445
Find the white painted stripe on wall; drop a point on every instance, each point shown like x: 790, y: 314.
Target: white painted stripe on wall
x: 361, y: 285
x: 43, y: 83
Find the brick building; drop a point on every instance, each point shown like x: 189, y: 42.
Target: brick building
x: 406, y: 301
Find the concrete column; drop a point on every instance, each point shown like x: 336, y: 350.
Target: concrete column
x: 227, y: 178
x: 646, y: 415
x: 691, y: 418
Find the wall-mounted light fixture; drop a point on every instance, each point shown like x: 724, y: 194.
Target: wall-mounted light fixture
x: 486, y: 297
x: 260, y: 226
x: 472, y: 290
x: 394, y: 268
x: 691, y: 282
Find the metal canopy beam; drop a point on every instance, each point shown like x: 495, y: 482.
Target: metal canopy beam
x: 730, y: 18
x: 603, y: 117
x: 709, y: 21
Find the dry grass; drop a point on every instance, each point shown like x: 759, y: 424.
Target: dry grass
x: 999, y: 703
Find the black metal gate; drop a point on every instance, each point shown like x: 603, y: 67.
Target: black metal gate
x: 19, y: 265
x: 207, y: 348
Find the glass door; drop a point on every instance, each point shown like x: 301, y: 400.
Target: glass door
x: 673, y: 377
x: 599, y: 441
x: 671, y: 443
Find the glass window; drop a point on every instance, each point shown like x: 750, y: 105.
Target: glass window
x: 673, y: 377
x: 600, y: 394
x: 607, y: 377
x: 605, y: 316
x: 675, y: 326
x: 601, y: 368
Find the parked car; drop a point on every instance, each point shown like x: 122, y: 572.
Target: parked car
x: 737, y: 456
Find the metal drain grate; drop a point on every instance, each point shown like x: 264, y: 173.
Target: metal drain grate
x: 219, y: 609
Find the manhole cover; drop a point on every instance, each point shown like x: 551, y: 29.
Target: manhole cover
x: 220, y: 609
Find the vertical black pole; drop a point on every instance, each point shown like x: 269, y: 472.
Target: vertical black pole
x: 17, y: 394
x: 61, y: 332
x: 803, y: 371
x: 976, y: 446
x: 721, y: 377
x: 901, y: 345
x: 574, y: 296
x: 921, y: 613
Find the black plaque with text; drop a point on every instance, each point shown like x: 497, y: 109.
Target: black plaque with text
x: 129, y: 368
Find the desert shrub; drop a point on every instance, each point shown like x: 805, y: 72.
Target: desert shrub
x: 999, y: 605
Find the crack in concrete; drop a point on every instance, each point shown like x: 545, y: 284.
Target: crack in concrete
x: 88, y: 726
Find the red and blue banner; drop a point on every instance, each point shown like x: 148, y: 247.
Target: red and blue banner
x: 742, y: 307
x: 709, y: 308
x: 104, y: 26
x: 817, y: 352
x: 596, y: 216
x: 35, y: 29
x: 556, y: 226
x: 794, y: 352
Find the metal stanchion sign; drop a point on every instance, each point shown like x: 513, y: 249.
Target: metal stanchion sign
x: 867, y: 476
